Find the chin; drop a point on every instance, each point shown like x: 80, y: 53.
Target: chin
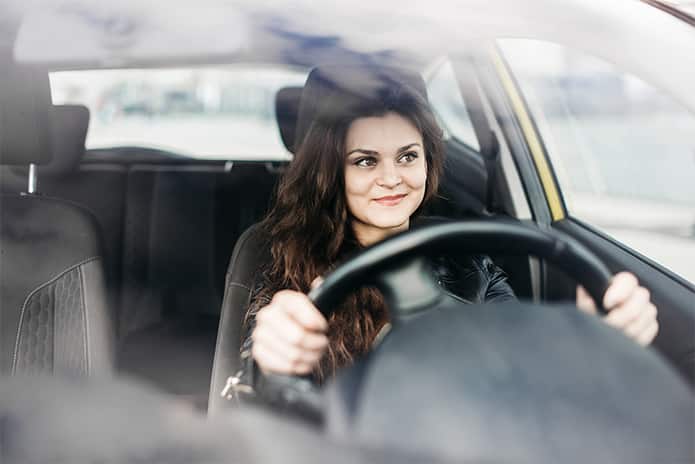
x: 389, y: 220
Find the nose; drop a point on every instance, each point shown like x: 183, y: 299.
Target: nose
x: 389, y: 177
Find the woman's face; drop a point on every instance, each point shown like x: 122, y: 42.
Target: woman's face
x: 385, y: 175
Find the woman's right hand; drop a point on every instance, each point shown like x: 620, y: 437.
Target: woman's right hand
x: 290, y: 335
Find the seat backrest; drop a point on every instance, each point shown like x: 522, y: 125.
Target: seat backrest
x: 247, y: 258
x: 53, y: 313
x: 54, y: 316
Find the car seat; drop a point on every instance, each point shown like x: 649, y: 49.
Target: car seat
x: 54, y: 314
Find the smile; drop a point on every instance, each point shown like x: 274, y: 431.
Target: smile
x: 391, y: 200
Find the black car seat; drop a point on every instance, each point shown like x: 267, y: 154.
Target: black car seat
x: 246, y: 258
x: 53, y: 314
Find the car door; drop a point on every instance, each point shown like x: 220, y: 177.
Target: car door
x: 609, y: 159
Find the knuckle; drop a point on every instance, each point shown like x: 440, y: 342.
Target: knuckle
x: 294, y: 356
x: 294, y: 365
x: 279, y: 296
x: 304, y: 369
x: 295, y: 336
x: 303, y: 339
x: 629, y: 278
x: 643, y: 294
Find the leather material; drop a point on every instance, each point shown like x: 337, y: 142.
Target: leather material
x: 51, y: 331
x: 69, y: 125
x: 287, y: 111
x: 34, y: 346
x: 25, y: 100
x: 329, y: 88
x: 100, y: 324
x: 247, y: 258
x: 53, y: 314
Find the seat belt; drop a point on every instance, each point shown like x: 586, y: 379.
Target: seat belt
x: 487, y: 139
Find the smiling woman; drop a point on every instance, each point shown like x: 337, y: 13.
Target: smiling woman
x: 370, y: 155
x: 385, y: 184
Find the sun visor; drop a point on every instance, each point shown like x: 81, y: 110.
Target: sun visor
x: 25, y: 102
x: 115, y: 34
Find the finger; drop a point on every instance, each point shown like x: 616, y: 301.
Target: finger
x: 287, y: 330
x: 271, y: 362
x: 621, y: 288
x: 316, y: 282
x: 268, y: 361
x: 646, y: 337
x: 627, y: 312
x: 291, y: 353
x: 641, y: 322
x: 300, y: 308
x: 584, y: 301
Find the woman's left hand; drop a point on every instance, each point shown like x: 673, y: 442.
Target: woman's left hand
x: 629, y: 307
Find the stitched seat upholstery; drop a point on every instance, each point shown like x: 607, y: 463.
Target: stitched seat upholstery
x: 53, y: 314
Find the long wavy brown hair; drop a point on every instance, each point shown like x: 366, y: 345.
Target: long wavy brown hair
x: 309, y: 226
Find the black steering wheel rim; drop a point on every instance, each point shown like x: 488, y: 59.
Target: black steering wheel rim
x: 500, y: 236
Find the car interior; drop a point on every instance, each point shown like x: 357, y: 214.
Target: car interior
x: 138, y: 262
x: 167, y: 226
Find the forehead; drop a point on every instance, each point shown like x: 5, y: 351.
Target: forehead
x: 384, y: 134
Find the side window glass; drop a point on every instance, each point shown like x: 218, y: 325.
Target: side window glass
x: 447, y: 102
x: 623, y: 151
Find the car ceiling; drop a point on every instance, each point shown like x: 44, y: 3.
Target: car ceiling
x: 128, y: 33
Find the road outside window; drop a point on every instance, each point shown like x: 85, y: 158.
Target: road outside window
x: 623, y: 151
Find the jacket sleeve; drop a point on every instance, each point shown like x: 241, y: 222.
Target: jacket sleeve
x: 474, y: 279
x: 496, y: 288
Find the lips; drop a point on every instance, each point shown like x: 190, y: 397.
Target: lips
x: 390, y: 200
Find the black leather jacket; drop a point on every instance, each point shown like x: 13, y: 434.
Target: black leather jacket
x: 474, y: 279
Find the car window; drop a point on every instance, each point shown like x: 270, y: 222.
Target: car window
x: 446, y: 100
x: 623, y: 151
x: 205, y: 112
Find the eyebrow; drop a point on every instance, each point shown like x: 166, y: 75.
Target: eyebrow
x: 374, y: 153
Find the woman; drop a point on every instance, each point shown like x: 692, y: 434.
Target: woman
x: 369, y: 161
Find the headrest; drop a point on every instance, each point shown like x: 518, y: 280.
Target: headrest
x: 331, y: 90
x: 69, y: 124
x: 286, y: 111
x: 25, y: 100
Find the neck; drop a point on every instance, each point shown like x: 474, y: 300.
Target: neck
x: 369, y: 235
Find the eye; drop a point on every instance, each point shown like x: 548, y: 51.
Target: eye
x: 365, y: 161
x: 408, y: 157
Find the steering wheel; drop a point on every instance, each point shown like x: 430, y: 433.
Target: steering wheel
x: 398, y: 267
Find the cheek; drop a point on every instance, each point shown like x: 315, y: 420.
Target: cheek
x: 416, y: 178
x: 357, y: 189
